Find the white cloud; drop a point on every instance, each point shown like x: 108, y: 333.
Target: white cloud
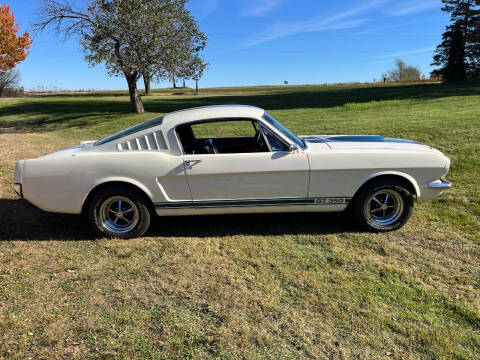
x: 357, y: 10
x: 373, y: 30
x: 283, y: 30
x: 389, y: 27
x: 413, y: 7
x: 338, y: 21
x: 206, y: 7
x: 261, y: 7
x: 408, y: 52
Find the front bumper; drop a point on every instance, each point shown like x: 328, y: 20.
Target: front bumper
x: 440, y: 185
x: 433, y: 190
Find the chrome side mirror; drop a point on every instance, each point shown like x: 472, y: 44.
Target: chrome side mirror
x: 293, y: 148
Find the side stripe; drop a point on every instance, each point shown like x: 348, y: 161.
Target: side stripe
x: 254, y: 202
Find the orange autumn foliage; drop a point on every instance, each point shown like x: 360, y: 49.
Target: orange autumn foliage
x: 13, y: 48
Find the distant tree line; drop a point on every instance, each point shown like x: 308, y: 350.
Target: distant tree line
x: 459, y: 53
x: 153, y: 39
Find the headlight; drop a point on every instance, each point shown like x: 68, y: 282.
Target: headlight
x: 18, y: 189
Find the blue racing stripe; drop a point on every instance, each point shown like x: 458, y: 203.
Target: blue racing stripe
x: 253, y: 202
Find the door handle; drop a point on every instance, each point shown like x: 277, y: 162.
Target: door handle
x: 190, y: 163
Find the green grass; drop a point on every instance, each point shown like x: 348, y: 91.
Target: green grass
x: 250, y: 286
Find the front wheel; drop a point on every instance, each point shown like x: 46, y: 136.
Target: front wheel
x: 383, y: 205
x: 119, y: 212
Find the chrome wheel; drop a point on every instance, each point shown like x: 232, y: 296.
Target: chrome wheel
x: 118, y: 215
x: 384, y: 207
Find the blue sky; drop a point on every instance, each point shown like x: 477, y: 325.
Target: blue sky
x: 265, y: 42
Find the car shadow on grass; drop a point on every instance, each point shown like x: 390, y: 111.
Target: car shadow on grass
x: 22, y: 221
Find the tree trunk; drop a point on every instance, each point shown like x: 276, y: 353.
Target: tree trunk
x: 174, y: 81
x: 135, y: 98
x: 146, y: 81
x: 184, y: 84
x: 196, y: 86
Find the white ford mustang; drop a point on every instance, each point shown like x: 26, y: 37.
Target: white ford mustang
x: 231, y: 159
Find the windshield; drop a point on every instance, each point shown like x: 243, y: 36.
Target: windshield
x: 140, y: 127
x: 287, y: 133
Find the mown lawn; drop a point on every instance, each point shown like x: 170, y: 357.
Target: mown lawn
x: 252, y: 286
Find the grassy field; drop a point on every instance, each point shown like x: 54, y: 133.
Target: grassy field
x: 253, y: 286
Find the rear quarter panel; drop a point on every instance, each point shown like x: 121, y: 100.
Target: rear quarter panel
x: 61, y: 184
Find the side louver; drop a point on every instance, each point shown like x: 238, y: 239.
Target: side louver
x: 148, y: 142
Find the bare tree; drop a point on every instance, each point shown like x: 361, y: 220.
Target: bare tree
x: 9, y: 79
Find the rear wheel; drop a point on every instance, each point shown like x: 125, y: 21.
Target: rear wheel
x: 119, y: 212
x: 383, y: 205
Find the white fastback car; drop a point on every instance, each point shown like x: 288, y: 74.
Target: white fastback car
x: 231, y: 159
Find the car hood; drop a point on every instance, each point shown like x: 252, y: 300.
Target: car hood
x: 364, y: 142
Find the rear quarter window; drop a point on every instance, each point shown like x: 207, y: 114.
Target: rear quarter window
x: 130, y: 131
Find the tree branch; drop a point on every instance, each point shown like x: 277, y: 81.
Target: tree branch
x: 62, y: 15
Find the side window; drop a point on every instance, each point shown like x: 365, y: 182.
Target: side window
x: 221, y: 137
x: 275, y: 143
x: 223, y: 129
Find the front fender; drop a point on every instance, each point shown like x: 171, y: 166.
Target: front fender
x: 406, y: 176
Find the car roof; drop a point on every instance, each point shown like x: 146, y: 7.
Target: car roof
x: 212, y: 112
x: 166, y: 124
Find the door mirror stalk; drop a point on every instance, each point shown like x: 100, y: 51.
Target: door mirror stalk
x: 292, y: 148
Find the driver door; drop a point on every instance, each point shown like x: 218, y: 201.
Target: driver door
x: 257, y: 177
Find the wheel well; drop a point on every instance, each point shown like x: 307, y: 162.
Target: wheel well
x: 106, y: 185
x: 404, y: 181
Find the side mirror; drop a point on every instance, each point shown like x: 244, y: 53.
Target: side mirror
x: 293, y: 148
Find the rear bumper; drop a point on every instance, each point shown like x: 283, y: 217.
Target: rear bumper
x: 440, y: 185
x: 18, y: 177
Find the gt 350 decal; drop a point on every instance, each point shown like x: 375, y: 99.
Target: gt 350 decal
x: 254, y: 202
x: 332, y: 201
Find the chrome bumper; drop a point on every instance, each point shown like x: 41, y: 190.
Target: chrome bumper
x: 440, y: 185
x: 17, y: 177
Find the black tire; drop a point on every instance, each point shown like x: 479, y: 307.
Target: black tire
x: 104, y: 213
x: 389, y: 211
